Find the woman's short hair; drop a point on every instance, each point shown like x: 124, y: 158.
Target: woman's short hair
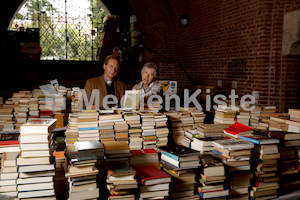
x: 110, y: 57
x: 150, y: 65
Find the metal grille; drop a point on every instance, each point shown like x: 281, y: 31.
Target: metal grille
x: 69, y: 29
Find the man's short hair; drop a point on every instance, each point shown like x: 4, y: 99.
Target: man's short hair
x: 110, y: 57
x: 150, y: 65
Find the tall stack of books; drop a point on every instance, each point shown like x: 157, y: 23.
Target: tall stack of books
x: 265, y: 164
x: 81, y: 175
x: 225, y: 114
x: 116, y: 151
x: 144, y: 157
x: 187, y: 120
x: 34, y: 107
x: 177, y: 128
x: 87, y: 124
x: 155, y: 183
x: 9, y: 174
x: 106, y: 126
x: 162, y: 131
x: 148, y: 131
x: 35, y: 167
x: 289, y: 156
x: 121, y: 181
x: 212, y: 178
x: 71, y: 132
x: 181, y: 163
x: 135, y: 130
x: 235, y: 154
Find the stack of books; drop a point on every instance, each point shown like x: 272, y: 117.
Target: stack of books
x: 198, y: 116
x: 243, y: 117
x: 35, y: 167
x: 264, y: 116
x: 154, y: 183
x: 211, y: 130
x: 23, y: 109
x: 294, y: 121
x: 186, y: 119
x: 87, y: 124
x: 162, y: 131
x: 225, y: 114
x: 278, y: 122
x: 76, y: 95
x: 181, y: 163
x: 6, y: 116
x: 46, y: 106
x: 121, y: 181
x: 177, y: 132
x: 135, y: 130
x: 212, y: 177
x: 116, y: 151
x: 265, y: 164
x: 81, y: 175
x: 148, y: 131
x: 34, y: 107
x: 254, y: 114
x: 9, y: 174
x: 71, y: 132
x: 106, y: 126
x: 235, y: 154
x: 121, y: 131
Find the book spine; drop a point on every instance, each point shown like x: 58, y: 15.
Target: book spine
x: 170, y: 155
x: 249, y: 139
x: 91, y: 128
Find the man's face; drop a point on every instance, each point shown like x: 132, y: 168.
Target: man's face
x: 148, y: 76
x: 111, y: 69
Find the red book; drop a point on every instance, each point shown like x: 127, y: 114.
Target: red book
x: 238, y: 128
x: 143, y: 151
x: 9, y: 143
x: 151, y: 175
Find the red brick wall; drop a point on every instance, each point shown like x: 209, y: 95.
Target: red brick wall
x: 220, y: 31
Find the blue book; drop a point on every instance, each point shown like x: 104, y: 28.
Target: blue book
x: 170, y: 155
x: 88, y: 129
x: 259, y: 139
x: 220, y: 193
x: 216, y: 152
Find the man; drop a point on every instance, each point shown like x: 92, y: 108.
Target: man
x: 106, y: 84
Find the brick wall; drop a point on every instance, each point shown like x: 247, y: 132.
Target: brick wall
x: 220, y: 32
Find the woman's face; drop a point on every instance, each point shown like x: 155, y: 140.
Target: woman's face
x: 148, y: 76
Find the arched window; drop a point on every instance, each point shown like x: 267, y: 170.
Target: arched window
x: 68, y: 29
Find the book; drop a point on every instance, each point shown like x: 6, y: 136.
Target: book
x: 179, y: 151
x: 192, y: 163
x: 36, y: 168
x: 38, y: 193
x: 131, y: 98
x: 34, y: 139
x: 80, y: 157
x: 232, y: 144
x: 257, y: 139
x: 278, y: 134
x: 9, y: 159
x: 151, y: 175
x: 114, y: 147
x: 38, y: 126
x: 118, y: 169
x: 238, y: 129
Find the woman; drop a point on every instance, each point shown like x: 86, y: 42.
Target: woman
x: 148, y: 85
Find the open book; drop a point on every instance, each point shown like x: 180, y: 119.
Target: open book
x: 132, y: 97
